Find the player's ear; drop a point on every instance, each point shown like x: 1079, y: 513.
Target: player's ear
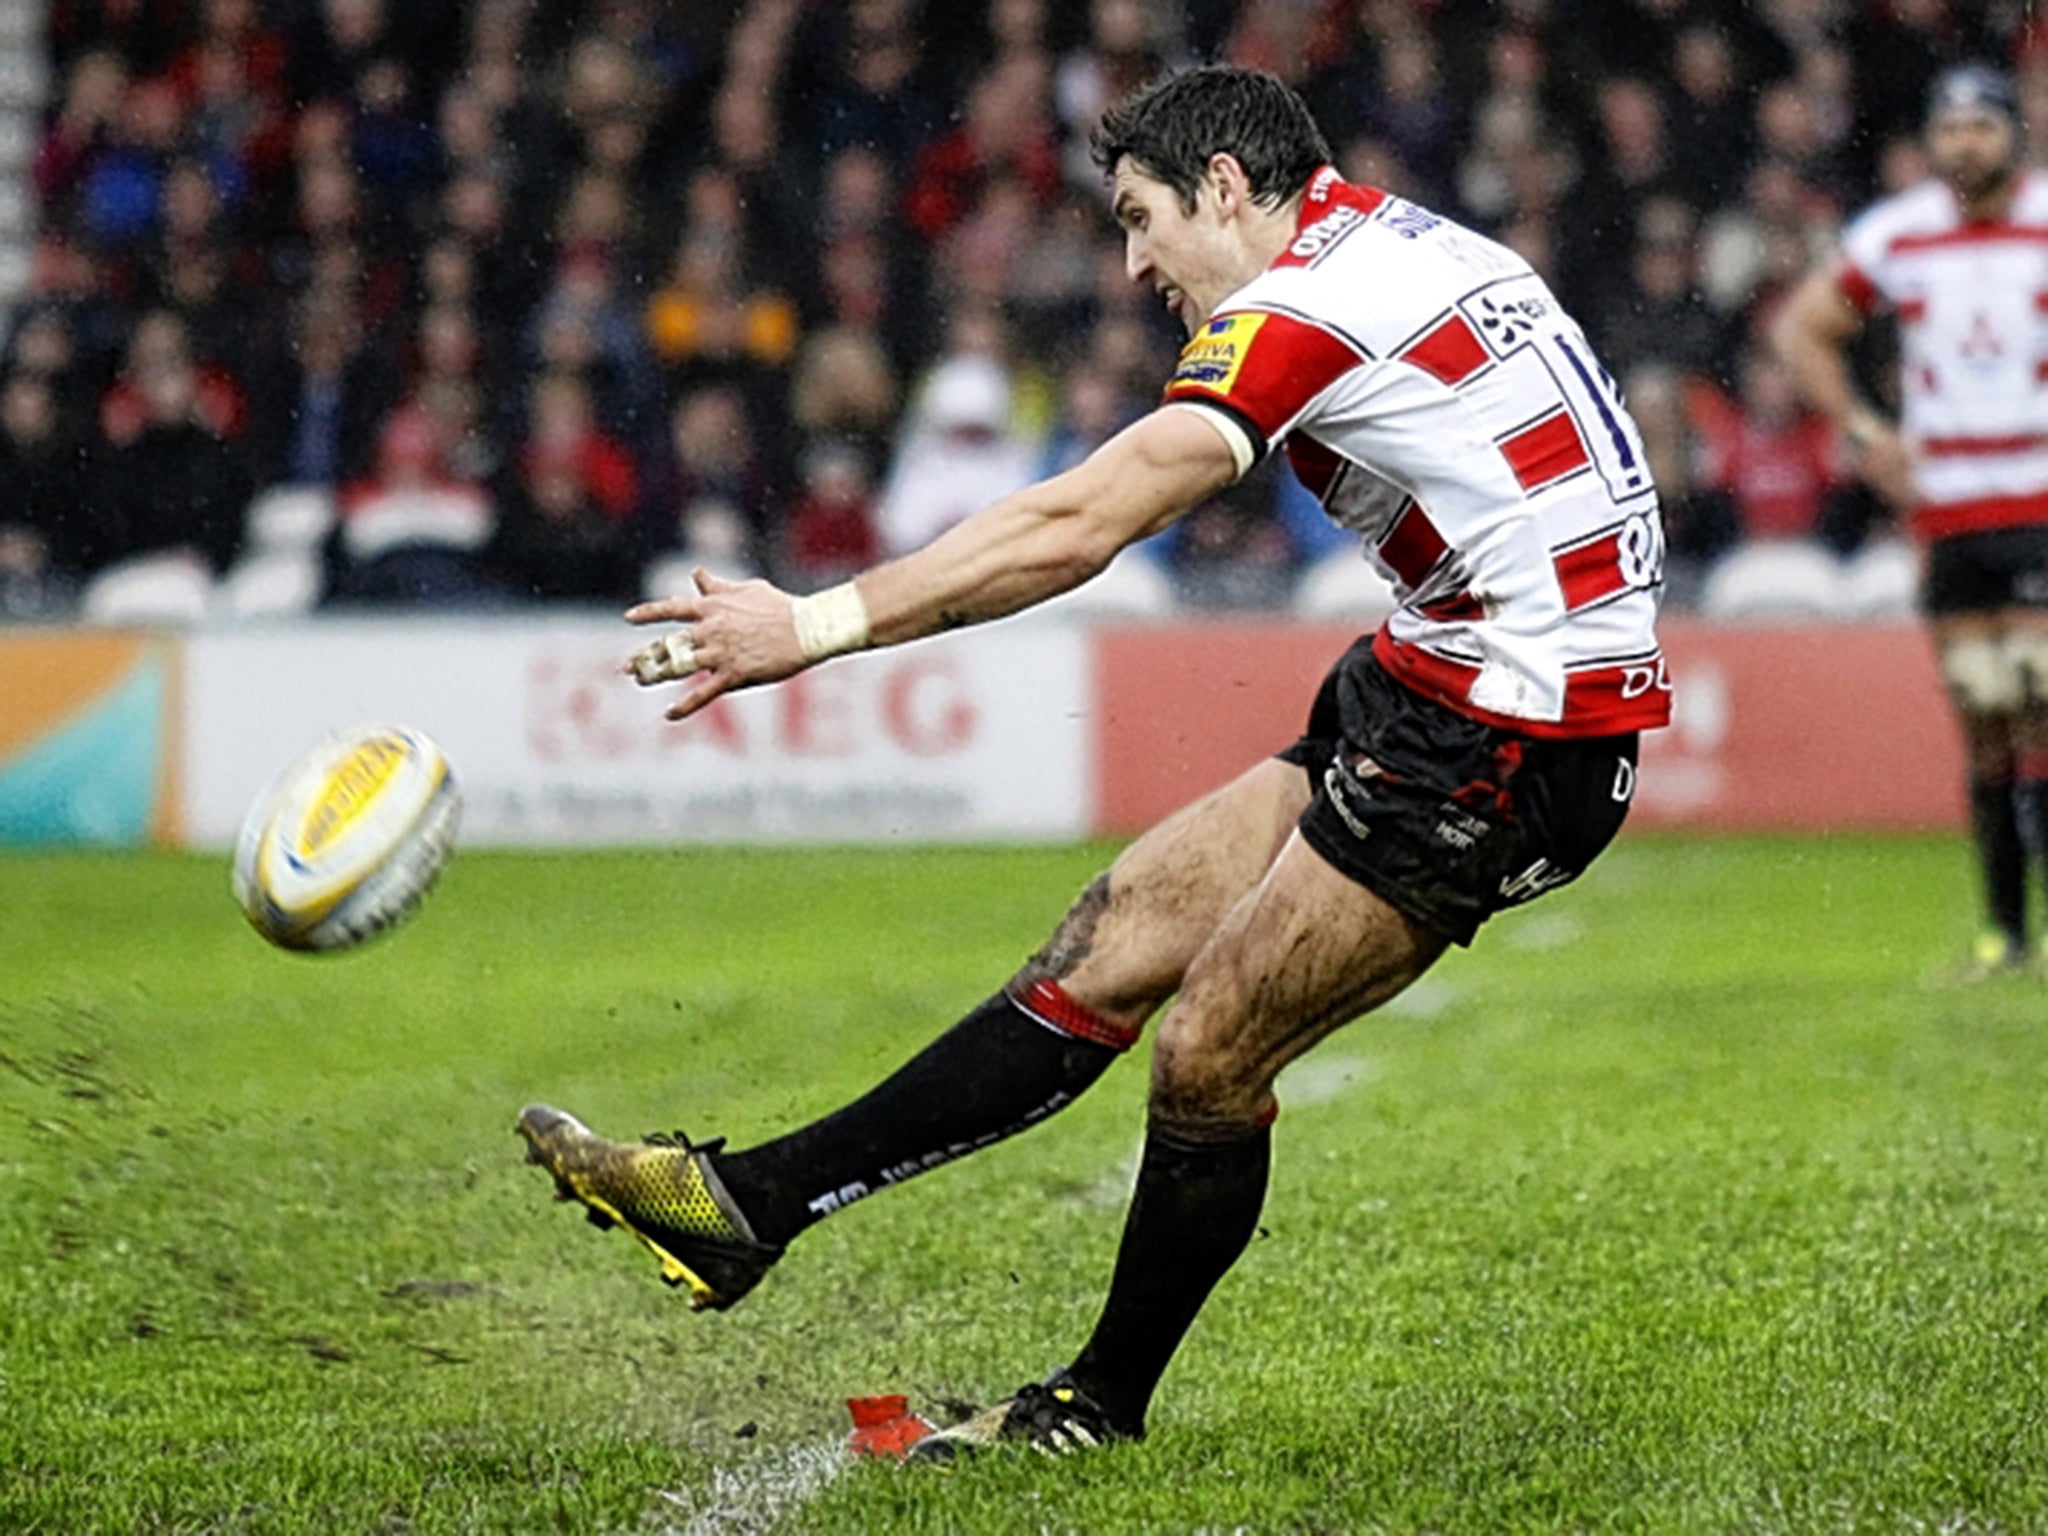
x: 1228, y: 183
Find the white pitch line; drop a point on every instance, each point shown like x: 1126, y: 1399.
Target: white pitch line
x: 754, y: 1497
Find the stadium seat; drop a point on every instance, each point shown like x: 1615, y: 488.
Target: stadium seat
x: 1775, y: 581
x: 289, y: 517
x: 172, y: 588
x: 1882, y: 581
x: 1342, y: 585
x: 273, y: 584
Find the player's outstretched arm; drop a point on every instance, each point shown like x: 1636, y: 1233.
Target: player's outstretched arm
x: 1043, y: 540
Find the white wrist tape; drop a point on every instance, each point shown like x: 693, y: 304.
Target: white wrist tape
x: 831, y: 623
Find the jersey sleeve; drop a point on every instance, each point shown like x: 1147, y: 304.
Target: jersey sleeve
x: 1862, y: 266
x: 1257, y: 370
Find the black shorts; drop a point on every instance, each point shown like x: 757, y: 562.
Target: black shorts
x: 1446, y: 819
x: 1983, y: 572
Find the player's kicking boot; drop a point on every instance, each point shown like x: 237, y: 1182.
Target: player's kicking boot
x: 662, y: 1190
x: 1055, y: 1417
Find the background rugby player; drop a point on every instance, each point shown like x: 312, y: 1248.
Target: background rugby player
x: 1962, y: 259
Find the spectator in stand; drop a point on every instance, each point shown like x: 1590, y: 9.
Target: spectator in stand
x: 78, y: 136
x: 1052, y: 285
x: 829, y: 533
x: 871, y: 82
x: 41, y: 344
x: 1233, y: 551
x: 1699, y: 525
x: 472, y: 450
x: 713, y: 473
x: 1788, y: 129
x: 232, y: 79
x: 1123, y: 51
x: 160, y: 356
x: 38, y: 559
x: 410, y: 533
x: 1403, y: 105
x: 1005, y: 137
x: 843, y: 386
x: 167, y: 477
x: 1094, y: 407
x: 336, y: 42
x: 450, y: 344
x: 1660, y: 313
x: 705, y: 318
x: 122, y: 192
x: 1628, y: 164
x: 959, y: 452
x: 1774, y: 462
x: 1712, y: 136
x: 467, y: 131
x: 566, y: 526
x: 981, y: 258
x: 746, y: 137
x: 390, y: 145
x: 317, y: 420
x: 1740, y: 245
x: 584, y: 312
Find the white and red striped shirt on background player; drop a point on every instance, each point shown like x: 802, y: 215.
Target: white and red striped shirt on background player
x: 1435, y: 397
x: 1972, y: 303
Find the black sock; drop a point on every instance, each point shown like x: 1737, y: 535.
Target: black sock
x: 2031, y: 792
x: 1195, y: 1208
x: 1003, y: 1068
x: 1994, y: 820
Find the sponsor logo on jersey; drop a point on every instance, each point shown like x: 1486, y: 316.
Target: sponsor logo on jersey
x: 1409, y: 220
x: 1217, y: 351
x: 1324, y: 233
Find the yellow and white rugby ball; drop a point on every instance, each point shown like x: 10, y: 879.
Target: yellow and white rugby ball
x: 348, y: 839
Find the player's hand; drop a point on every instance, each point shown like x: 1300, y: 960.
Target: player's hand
x: 1883, y: 462
x: 735, y: 634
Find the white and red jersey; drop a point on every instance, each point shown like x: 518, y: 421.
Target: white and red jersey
x: 1972, y: 303
x: 1435, y: 397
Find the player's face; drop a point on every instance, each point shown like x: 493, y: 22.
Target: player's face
x: 1187, y: 257
x: 1971, y: 150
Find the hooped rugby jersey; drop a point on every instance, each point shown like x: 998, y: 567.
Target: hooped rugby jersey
x: 1434, y: 396
x: 1972, y: 305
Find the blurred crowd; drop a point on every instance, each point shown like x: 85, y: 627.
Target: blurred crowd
x: 547, y: 299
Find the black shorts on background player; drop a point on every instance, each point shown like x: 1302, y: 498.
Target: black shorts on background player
x: 1447, y: 819
x: 1983, y: 572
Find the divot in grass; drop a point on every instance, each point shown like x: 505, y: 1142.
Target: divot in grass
x: 760, y: 1493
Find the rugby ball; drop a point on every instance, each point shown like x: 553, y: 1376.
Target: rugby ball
x: 347, y: 840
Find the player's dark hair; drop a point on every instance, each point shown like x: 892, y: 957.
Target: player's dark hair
x: 1174, y: 126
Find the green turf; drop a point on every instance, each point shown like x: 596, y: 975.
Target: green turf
x: 1682, y: 1204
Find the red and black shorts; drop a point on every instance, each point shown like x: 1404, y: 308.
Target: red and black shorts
x: 1445, y: 818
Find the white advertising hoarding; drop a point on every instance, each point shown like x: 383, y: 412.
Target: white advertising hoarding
x: 976, y: 736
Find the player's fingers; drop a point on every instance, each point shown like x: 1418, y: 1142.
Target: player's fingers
x: 708, y: 583
x: 711, y: 685
x: 666, y: 659
x: 671, y: 610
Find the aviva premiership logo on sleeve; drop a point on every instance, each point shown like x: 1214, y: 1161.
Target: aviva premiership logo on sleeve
x: 1217, y: 351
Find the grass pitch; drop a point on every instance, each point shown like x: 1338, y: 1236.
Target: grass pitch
x: 1683, y: 1203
